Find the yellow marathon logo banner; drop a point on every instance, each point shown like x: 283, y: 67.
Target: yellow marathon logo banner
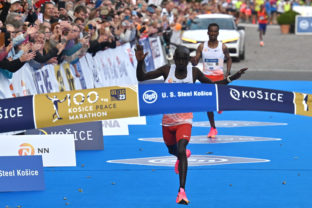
x: 54, y: 109
x: 303, y: 104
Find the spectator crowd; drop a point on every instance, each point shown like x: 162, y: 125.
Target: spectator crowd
x: 44, y: 32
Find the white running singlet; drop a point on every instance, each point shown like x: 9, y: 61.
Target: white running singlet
x: 213, y: 59
x: 178, y: 118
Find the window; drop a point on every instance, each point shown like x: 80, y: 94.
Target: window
x: 202, y: 24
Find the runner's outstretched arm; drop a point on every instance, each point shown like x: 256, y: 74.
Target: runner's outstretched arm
x: 202, y: 78
x: 141, y: 73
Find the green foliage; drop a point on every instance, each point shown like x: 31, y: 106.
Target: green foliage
x: 287, y: 18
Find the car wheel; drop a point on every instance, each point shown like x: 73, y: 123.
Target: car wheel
x: 236, y: 59
x: 242, y: 55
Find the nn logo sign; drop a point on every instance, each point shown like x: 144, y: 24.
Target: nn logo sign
x: 28, y: 149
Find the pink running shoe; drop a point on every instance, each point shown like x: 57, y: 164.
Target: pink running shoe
x: 213, y: 132
x: 181, y: 198
x: 220, y: 112
x: 261, y: 43
x: 176, y: 167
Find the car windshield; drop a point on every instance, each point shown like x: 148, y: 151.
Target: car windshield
x: 202, y: 23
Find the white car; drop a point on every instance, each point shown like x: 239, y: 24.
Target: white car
x: 230, y: 34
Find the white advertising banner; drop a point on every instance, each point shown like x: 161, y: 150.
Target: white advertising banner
x: 5, y: 91
x: 23, y: 83
x: 94, y: 65
x: 56, y: 150
x: 115, y: 127
x: 87, y: 70
x: 116, y: 66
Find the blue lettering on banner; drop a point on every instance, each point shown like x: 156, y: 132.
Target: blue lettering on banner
x: 176, y: 98
x: 303, y: 25
x: 149, y: 61
x: 258, y: 99
x: 39, y: 83
x: 16, y: 114
x: 21, y: 173
x: 46, y: 80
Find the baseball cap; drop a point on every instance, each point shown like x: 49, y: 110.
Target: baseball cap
x: 15, y: 1
x: 98, y: 3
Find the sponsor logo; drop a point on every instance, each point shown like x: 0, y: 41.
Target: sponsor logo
x: 304, y: 24
x: 150, y: 96
x: 118, y: 94
x: 256, y: 94
x: 194, y: 160
x: 26, y: 149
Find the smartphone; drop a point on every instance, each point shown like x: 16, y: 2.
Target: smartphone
x: 61, y: 5
x: 85, y: 33
x: 30, y: 4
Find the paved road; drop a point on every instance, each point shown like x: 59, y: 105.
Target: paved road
x: 284, y: 57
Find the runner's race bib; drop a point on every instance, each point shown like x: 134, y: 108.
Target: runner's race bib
x: 212, y: 63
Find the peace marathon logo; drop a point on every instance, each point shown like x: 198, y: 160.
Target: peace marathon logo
x: 256, y: 94
x: 81, y: 105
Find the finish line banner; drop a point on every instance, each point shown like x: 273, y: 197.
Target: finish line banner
x: 54, y: 109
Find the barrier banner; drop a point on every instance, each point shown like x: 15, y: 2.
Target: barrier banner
x: 23, y: 82
x: 81, y: 78
x: 176, y: 98
x: 59, y: 78
x: 39, y: 82
x: 303, y: 104
x: 5, y: 91
x: 114, y: 66
x: 87, y: 71
x: 56, y: 151
x: 93, y: 65
x: 149, y: 62
x: 83, y: 106
x: 21, y: 173
x: 69, y: 76
x: 88, y: 136
x: 303, y: 25
x: 16, y: 114
x: 157, y: 52
x: 249, y: 98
